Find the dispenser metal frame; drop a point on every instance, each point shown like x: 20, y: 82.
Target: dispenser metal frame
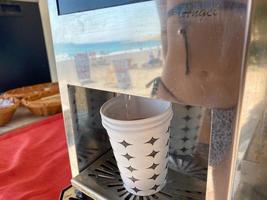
x: 220, y: 179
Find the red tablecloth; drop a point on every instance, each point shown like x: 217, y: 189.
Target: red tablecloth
x: 34, y: 163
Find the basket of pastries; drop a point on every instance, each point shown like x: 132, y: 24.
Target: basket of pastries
x: 43, y: 103
x: 20, y: 93
x: 8, y: 106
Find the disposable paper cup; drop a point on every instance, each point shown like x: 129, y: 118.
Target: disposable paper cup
x: 140, y: 141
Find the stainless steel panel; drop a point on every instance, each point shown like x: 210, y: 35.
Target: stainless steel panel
x: 67, y: 102
x: 92, y: 140
x: 249, y: 180
x: 87, y: 140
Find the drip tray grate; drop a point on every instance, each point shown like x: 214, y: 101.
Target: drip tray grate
x: 102, y: 180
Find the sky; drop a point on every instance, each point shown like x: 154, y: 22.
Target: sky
x: 133, y: 22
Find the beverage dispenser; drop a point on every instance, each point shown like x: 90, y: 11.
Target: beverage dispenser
x: 206, y: 57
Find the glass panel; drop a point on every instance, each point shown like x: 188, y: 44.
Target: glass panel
x: 250, y: 180
x: 187, y: 52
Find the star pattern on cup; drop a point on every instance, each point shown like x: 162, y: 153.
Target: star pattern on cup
x: 128, y: 156
x: 133, y: 179
x: 154, y: 177
x: 185, y: 139
x: 131, y: 169
x: 153, y: 166
x: 152, y: 141
x: 187, y: 118
x: 136, y: 189
x: 155, y: 187
x: 185, y: 129
x: 153, y: 154
x: 125, y: 144
x: 183, y: 149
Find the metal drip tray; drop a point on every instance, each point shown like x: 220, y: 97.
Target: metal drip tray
x: 101, y: 180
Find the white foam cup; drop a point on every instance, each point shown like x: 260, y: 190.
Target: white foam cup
x: 139, y: 136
